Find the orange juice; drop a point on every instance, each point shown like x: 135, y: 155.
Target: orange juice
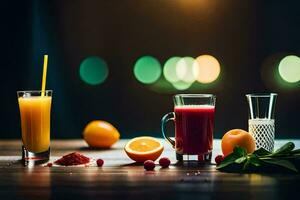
x: 35, y: 122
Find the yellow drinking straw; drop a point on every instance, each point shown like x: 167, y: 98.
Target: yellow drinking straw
x: 44, y: 74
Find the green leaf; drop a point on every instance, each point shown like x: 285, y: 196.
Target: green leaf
x: 296, y: 151
x: 246, y: 165
x: 228, y: 160
x: 237, y: 153
x: 262, y: 160
x: 261, y: 152
x: 252, y: 159
x: 255, y: 160
x: 288, y: 147
x: 240, y: 151
x: 282, y: 163
x: 240, y: 160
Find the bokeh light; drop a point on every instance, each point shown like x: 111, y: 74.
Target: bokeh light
x: 271, y: 76
x: 184, y: 69
x: 147, y: 69
x: 206, y: 69
x: 289, y: 69
x: 93, y: 70
x: 169, y: 70
x: 181, y: 85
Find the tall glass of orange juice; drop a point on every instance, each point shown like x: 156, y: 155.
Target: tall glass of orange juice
x: 35, y: 109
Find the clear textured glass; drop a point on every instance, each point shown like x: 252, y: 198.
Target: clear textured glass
x: 261, y: 119
x: 35, y: 111
x: 194, y: 122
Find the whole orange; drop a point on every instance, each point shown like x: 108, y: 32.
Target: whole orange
x: 100, y: 134
x: 237, y: 137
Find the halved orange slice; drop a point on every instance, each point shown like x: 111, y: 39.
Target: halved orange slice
x: 144, y: 148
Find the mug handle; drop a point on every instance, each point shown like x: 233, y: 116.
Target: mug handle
x: 166, y: 118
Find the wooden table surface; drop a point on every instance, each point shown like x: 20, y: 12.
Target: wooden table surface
x: 120, y: 178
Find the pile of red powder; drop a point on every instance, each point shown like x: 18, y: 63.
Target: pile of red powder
x: 73, y: 159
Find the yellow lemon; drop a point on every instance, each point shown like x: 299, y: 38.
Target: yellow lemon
x: 100, y: 134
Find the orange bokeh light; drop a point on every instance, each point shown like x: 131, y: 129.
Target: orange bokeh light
x: 206, y: 69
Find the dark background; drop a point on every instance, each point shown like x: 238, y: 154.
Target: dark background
x: 245, y: 36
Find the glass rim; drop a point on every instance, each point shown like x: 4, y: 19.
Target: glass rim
x: 261, y: 94
x: 194, y: 95
x: 32, y: 91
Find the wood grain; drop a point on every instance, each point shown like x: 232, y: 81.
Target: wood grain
x: 120, y: 178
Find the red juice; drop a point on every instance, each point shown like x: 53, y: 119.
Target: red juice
x: 194, y: 129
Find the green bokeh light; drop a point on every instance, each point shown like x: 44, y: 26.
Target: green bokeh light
x: 181, y: 85
x: 93, y: 70
x: 184, y: 69
x: 170, y: 69
x: 289, y: 69
x: 147, y: 69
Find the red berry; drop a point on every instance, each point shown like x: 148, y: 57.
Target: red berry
x: 100, y: 162
x: 149, y: 165
x: 219, y: 159
x: 49, y: 164
x: 164, y: 162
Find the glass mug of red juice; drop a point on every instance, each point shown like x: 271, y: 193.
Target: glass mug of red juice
x: 194, y: 124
